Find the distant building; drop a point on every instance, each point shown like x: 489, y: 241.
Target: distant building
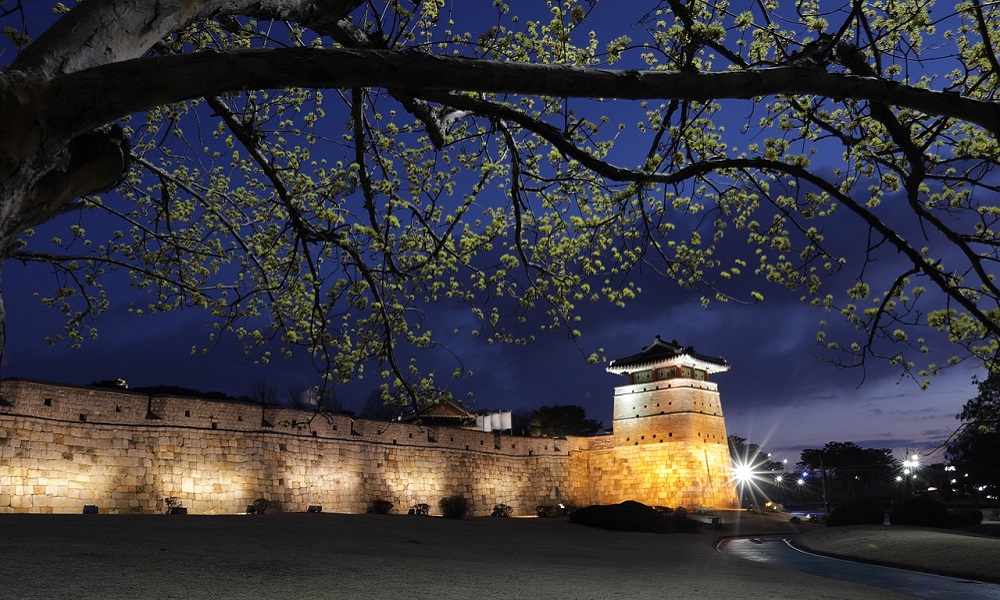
x: 443, y: 413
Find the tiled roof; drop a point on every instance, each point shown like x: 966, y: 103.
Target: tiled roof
x: 660, y: 351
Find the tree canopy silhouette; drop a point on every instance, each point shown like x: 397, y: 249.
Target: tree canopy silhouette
x: 318, y: 174
x: 974, y: 447
x: 561, y: 420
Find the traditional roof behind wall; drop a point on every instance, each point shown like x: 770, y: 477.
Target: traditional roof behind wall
x: 663, y: 353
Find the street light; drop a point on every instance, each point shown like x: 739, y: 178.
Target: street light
x: 910, y: 466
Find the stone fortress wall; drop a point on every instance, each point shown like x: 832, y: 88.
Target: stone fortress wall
x: 63, y: 447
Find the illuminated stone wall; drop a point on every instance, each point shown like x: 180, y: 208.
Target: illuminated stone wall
x: 62, y: 447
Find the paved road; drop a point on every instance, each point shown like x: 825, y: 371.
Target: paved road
x: 776, y: 551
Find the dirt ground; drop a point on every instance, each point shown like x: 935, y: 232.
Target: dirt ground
x: 388, y: 556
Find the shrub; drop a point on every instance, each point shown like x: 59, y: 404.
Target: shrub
x: 921, y: 511
x: 171, y: 504
x: 859, y: 511
x: 379, y: 506
x: 259, y: 506
x: 558, y: 510
x: 421, y: 510
x: 502, y: 510
x: 966, y: 517
x: 453, y: 507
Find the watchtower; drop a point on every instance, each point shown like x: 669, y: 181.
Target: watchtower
x: 669, y: 428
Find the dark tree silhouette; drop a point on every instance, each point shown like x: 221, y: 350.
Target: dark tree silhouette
x: 560, y: 420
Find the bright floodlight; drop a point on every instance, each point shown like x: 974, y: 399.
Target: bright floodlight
x: 743, y: 472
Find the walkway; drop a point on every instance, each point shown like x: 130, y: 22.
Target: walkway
x: 775, y: 550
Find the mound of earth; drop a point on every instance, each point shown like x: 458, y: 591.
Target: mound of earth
x: 631, y: 516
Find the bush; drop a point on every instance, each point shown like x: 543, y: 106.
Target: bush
x: 379, y: 506
x: 966, y: 517
x: 172, y: 504
x: 502, y: 510
x: 453, y: 507
x: 559, y: 510
x: 921, y: 512
x: 421, y: 510
x: 859, y: 511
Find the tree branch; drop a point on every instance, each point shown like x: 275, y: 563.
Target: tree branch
x: 139, y: 84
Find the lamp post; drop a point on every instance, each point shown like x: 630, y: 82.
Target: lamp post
x: 910, y: 466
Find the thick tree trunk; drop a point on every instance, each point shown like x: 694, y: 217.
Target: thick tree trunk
x: 99, y: 32
x: 3, y: 326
